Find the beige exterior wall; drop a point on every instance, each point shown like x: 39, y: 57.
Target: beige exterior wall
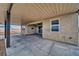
x: 30, y: 29
x: 68, y: 28
x: 34, y: 25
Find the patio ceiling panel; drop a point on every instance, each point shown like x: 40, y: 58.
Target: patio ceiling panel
x: 34, y: 12
x: 30, y: 12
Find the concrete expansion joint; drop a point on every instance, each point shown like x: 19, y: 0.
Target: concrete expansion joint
x: 53, y: 43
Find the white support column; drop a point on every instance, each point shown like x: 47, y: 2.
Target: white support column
x: 21, y: 26
x: 22, y: 29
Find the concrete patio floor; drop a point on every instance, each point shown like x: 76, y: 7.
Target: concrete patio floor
x: 34, y: 45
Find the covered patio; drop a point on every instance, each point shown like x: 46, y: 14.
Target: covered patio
x: 29, y: 17
x: 35, y: 45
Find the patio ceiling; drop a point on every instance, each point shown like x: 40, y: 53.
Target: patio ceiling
x: 33, y: 12
x: 3, y: 9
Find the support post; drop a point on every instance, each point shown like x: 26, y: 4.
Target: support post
x: 21, y: 28
x: 78, y: 27
x: 7, y: 29
x: 7, y: 26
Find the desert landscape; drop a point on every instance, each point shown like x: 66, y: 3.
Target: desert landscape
x: 13, y: 31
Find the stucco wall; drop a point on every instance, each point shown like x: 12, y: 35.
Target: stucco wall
x: 30, y: 29
x: 34, y: 25
x: 68, y: 28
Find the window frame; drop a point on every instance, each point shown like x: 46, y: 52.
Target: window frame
x: 54, y: 25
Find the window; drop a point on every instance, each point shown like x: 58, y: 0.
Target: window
x: 55, y: 25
